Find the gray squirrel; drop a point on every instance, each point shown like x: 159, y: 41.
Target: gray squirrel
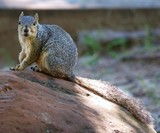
x: 55, y: 53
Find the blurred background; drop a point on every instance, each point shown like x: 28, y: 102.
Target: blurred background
x: 118, y: 41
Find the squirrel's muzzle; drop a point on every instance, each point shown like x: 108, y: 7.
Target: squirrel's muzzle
x: 26, y: 30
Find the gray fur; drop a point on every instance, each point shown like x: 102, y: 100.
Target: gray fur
x: 62, y: 51
x: 26, y: 20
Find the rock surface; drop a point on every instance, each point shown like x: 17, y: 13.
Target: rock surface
x: 32, y: 102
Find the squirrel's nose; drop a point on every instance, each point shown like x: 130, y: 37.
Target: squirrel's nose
x: 26, y: 30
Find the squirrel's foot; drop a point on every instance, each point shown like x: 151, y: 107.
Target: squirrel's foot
x: 36, y: 69
x: 15, y: 68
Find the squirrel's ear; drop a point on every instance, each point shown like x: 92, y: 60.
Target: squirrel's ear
x: 21, y: 15
x: 36, y: 17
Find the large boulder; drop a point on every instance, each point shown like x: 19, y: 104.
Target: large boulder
x: 32, y: 102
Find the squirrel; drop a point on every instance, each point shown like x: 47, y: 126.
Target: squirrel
x: 55, y: 53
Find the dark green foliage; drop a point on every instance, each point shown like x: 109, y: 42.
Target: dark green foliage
x: 92, y: 45
x: 111, y: 48
x: 115, y: 46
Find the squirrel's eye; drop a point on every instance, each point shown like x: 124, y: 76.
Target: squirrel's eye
x: 34, y: 23
x: 19, y: 22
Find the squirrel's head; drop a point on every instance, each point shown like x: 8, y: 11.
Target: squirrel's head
x: 27, y: 25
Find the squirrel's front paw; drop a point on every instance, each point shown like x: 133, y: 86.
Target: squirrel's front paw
x: 16, y: 68
x: 36, y: 68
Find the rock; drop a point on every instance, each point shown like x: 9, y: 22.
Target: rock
x: 37, y: 103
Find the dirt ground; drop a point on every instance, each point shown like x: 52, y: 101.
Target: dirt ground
x: 139, y: 78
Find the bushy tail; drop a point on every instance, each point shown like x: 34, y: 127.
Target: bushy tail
x: 111, y: 93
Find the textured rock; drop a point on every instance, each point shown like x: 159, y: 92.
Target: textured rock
x: 37, y: 103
